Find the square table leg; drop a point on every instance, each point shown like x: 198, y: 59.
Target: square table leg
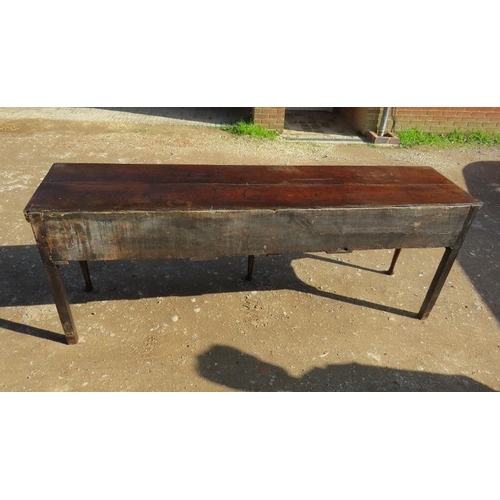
x: 438, y: 281
x: 56, y: 283
x: 61, y: 300
x: 86, y: 274
x: 394, y: 260
x: 449, y: 256
x: 251, y: 260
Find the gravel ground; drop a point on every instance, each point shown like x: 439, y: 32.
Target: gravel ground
x: 312, y: 322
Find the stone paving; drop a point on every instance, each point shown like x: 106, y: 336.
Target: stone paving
x: 319, y: 126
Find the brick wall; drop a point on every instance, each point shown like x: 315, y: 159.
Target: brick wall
x: 272, y: 118
x: 363, y: 119
x: 444, y: 120
x: 426, y: 119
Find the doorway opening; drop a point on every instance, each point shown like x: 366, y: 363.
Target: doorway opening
x: 323, y: 124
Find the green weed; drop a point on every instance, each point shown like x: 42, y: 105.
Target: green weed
x: 247, y: 128
x: 414, y: 137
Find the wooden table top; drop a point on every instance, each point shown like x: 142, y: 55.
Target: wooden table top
x: 78, y: 187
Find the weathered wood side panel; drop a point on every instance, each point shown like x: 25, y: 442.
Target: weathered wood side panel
x: 211, y: 234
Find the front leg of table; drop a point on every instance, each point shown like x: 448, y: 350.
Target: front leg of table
x: 449, y: 256
x: 438, y: 281
x: 61, y: 300
x: 56, y: 283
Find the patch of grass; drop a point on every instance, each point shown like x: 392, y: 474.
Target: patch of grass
x: 414, y: 137
x: 248, y: 128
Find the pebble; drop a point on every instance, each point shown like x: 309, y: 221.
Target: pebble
x: 197, y: 309
x: 175, y: 318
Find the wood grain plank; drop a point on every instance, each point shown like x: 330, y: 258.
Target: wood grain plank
x: 102, y: 187
x: 63, y: 197
x: 243, y: 174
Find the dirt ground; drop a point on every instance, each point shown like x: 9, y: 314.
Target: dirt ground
x: 313, y: 322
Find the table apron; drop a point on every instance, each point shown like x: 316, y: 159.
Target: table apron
x: 216, y: 233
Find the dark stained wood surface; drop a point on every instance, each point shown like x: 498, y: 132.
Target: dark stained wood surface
x: 112, y: 187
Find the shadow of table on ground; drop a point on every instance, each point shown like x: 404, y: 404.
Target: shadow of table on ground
x: 235, y: 369
x: 24, y: 282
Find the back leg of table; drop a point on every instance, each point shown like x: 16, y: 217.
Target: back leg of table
x: 394, y: 260
x: 251, y: 260
x: 61, y: 300
x: 86, y: 274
